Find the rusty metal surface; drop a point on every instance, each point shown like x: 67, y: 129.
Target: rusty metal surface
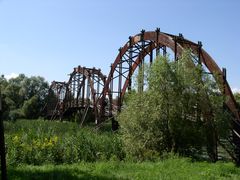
x: 177, y: 44
x: 87, y: 86
x: 83, y: 88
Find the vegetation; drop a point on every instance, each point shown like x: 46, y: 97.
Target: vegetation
x: 181, y: 112
x: 42, y: 142
x: 23, y: 97
x: 237, y: 98
x: 38, y: 149
x: 171, y: 168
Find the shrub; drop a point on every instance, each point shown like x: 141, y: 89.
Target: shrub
x: 178, y: 112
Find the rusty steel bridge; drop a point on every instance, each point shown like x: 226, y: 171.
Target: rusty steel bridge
x: 89, y: 89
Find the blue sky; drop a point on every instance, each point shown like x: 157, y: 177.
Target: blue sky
x: 50, y: 37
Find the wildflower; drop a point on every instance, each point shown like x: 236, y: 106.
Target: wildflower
x: 15, y: 139
x: 43, y: 146
x: 55, y: 139
x: 49, y: 144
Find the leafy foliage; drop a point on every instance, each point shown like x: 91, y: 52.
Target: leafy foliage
x: 23, y: 97
x: 30, y: 108
x: 180, y: 111
x: 237, y: 98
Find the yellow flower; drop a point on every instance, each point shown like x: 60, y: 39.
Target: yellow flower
x: 55, y: 139
x: 38, y: 144
x: 49, y: 144
x: 15, y: 139
x: 43, y: 145
x: 34, y: 142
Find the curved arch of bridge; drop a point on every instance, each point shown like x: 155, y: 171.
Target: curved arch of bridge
x: 83, y: 88
x: 132, y: 55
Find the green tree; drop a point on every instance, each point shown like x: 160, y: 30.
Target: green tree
x: 237, y: 98
x: 5, y: 106
x: 31, y: 108
x: 21, y: 92
x: 178, y: 111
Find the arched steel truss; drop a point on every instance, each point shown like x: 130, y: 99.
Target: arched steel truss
x: 89, y: 87
x: 142, y: 46
x: 56, y: 95
x: 84, y: 88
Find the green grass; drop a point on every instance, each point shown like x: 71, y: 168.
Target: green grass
x: 39, y: 149
x: 175, y: 168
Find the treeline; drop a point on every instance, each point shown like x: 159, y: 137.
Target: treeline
x: 23, y: 97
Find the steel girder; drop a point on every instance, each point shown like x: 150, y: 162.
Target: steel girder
x: 132, y: 55
x: 84, y: 87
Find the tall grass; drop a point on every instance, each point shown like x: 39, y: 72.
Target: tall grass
x: 39, y: 142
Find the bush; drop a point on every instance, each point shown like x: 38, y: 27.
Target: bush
x: 179, y: 111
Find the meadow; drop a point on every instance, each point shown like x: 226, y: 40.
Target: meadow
x: 38, y: 149
x: 171, y: 168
